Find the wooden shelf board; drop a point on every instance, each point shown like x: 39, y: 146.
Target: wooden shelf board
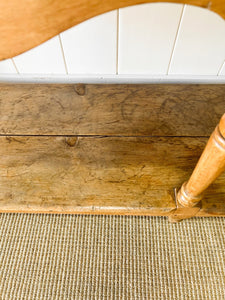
x: 100, y: 175
x: 112, y: 110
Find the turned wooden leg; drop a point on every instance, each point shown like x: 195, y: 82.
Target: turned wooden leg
x: 210, y: 165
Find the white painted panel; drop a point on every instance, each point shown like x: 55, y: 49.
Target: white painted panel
x: 146, y: 37
x: 200, y: 46
x: 222, y: 71
x: 44, y: 59
x: 91, y: 47
x: 7, y: 67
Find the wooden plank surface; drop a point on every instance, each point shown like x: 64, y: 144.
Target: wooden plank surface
x: 98, y: 175
x: 25, y: 24
x: 105, y: 149
x: 121, y: 110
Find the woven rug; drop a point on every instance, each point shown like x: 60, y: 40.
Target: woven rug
x: 111, y: 257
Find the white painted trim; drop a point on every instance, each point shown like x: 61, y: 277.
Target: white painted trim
x: 102, y: 78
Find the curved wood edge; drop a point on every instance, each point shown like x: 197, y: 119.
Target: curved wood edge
x: 222, y: 126
x: 25, y: 24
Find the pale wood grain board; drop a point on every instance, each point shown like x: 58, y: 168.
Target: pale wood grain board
x: 138, y: 110
x: 97, y: 175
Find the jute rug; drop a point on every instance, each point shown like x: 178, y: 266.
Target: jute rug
x: 111, y: 257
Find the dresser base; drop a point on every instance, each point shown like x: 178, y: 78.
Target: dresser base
x: 106, y: 149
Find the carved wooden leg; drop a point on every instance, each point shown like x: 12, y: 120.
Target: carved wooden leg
x: 210, y: 165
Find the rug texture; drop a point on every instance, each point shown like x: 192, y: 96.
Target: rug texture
x: 111, y: 257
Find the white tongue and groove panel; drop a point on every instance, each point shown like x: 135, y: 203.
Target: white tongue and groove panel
x: 200, y: 44
x: 222, y: 71
x: 91, y: 47
x: 7, y: 67
x: 148, y: 42
x: 46, y: 58
x: 146, y: 37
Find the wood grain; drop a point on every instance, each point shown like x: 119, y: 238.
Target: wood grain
x: 97, y: 148
x: 98, y: 175
x: 25, y: 24
x: 122, y: 110
x: 210, y: 165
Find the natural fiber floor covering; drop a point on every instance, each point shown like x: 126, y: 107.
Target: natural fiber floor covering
x: 111, y: 257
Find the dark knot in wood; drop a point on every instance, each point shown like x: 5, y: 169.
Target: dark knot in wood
x: 80, y: 89
x: 72, y: 141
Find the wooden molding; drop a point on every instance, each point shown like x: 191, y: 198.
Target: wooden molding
x: 25, y: 24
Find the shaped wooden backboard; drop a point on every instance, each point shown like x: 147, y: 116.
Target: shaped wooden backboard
x: 25, y: 24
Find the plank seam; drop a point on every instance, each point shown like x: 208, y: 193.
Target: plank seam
x: 220, y: 69
x: 15, y: 66
x: 176, y: 39
x: 104, y: 136
x: 63, y: 54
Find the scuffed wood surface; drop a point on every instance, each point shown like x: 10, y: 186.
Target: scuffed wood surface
x: 91, y: 175
x: 98, y: 175
x: 213, y: 203
x: 97, y: 148
x: 134, y: 110
x: 25, y: 24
